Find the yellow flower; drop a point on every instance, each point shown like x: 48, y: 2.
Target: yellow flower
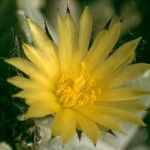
x: 81, y: 86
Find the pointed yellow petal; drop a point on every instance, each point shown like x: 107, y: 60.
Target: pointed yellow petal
x: 68, y: 125
x: 125, y: 75
x: 89, y: 127
x: 103, y: 128
x: 124, y: 105
x: 85, y: 29
x: 36, y: 94
x: 121, y: 94
x: 102, y: 46
x: 29, y: 69
x: 127, y: 62
x: 41, y: 109
x: 117, y: 59
x: 102, y: 119
x: 67, y: 40
x: 56, y: 124
x: 32, y: 96
x: 23, y: 65
x: 22, y: 82
x: 43, y: 43
x: 41, y: 61
x: 94, y: 48
x: 122, y: 115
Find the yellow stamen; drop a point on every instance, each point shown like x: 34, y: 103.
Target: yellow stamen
x: 76, y: 90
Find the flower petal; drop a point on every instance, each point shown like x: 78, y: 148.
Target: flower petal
x: 102, y: 119
x: 89, y: 127
x: 29, y: 69
x: 103, y: 45
x: 56, y: 123
x: 42, y: 108
x: 67, y: 40
x: 85, y: 29
x: 41, y: 61
x: 127, y: 74
x: 103, y: 128
x: 22, y: 82
x: 23, y: 65
x: 117, y: 59
x: 121, y: 115
x: 121, y: 94
x: 68, y: 125
x: 36, y: 94
x: 124, y: 105
x: 43, y: 43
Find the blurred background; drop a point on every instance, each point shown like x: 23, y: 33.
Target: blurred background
x: 15, y: 133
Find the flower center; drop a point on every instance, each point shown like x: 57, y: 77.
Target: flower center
x: 75, y: 91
